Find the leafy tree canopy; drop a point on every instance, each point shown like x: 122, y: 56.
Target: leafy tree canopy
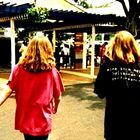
x: 38, y: 14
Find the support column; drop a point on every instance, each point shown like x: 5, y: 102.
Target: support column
x: 13, y: 55
x: 84, y: 50
x: 92, y: 51
x: 54, y: 40
x: 103, y: 38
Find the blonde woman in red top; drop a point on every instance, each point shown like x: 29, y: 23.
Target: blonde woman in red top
x: 38, y: 87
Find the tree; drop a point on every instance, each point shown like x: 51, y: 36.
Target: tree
x: 132, y: 14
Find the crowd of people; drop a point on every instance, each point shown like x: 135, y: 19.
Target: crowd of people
x: 38, y: 88
x: 99, y: 56
x: 66, y: 55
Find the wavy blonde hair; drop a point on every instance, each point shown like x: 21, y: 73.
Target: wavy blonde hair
x: 123, y: 48
x: 38, y: 56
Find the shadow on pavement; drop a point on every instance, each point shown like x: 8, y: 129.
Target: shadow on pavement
x: 84, y: 92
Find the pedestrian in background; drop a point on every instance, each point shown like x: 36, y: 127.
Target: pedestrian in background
x: 72, y: 57
x: 38, y: 87
x: 118, y: 81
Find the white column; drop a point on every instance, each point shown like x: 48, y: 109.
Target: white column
x: 92, y: 51
x: 103, y: 38
x: 84, y: 50
x: 13, y: 55
x: 54, y: 40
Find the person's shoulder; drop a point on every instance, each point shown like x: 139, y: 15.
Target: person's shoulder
x: 107, y: 62
x: 135, y: 65
x: 16, y: 67
x: 55, y: 73
x: 54, y: 70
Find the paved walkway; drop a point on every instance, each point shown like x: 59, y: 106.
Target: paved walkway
x: 80, y: 114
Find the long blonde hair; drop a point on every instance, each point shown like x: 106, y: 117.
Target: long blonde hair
x: 123, y: 48
x: 38, y: 56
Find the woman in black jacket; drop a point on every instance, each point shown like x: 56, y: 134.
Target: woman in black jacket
x: 118, y: 81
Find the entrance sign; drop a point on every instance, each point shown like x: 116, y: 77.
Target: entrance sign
x: 78, y: 50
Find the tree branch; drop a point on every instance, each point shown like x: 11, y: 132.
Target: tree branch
x: 124, y: 6
x: 138, y: 7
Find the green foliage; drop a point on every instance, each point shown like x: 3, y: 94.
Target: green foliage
x: 38, y: 14
x: 63, y: 36
x: 111, y: 35
x: 23, y: 35
x: 84, y: 4
x: 102, y: 6
x: 98, y: 37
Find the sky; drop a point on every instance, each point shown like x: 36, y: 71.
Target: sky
x: 101, y: 2
x: 98, y: 2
